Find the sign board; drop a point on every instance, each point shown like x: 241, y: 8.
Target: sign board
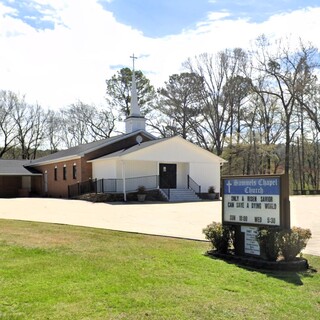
x: 251, y: 245
x: 254, y: 200
x: 249, y: 202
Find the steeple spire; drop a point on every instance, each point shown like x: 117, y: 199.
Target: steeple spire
x: 134, y: 121
x: 134, y: 107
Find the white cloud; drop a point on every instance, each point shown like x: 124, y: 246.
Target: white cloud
x: 57, y: 67
x: 218, y: 15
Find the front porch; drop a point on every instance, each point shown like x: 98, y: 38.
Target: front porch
x: 131, y: 185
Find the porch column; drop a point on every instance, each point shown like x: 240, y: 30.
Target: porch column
x: 158, y: 175
x: 124, y: 180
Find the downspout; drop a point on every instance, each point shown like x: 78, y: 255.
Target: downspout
x: 124, y: 181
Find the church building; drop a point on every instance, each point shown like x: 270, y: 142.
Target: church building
x: 120, y: 164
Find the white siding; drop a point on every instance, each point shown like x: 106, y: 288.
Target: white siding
x: 104, y: 169
x: 140, y: 168
x: 202, y: 166
x: 206, y: 175
x: 173, y: 150
x: 182, y: 175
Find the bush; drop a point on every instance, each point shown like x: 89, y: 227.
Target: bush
x: 268, y: 239
x: 220, y: 236
x: 288, y: 243
x: 141, y: 190
x: 293, y: 241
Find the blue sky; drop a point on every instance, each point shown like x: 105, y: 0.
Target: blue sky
x: 160, y: 18
x: 164, y: 17
x: 59, y: 51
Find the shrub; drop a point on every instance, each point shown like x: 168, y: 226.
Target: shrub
x: 141, y: 190
x: 211, y: 189
x: 268, y: 239
x: 220, y: 236
x: 288, y: 243
x: 293, y: 241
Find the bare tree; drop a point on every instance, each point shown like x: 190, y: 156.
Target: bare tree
x: 8, y: 133
x: 30, y: 121
x: 269, y: 127
x: 54, y: 130
x: 218, y: 71
x: 287, y: 74
x: 102, y: 123
x: 84, y: 123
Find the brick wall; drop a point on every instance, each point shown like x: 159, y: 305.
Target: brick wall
x: 9, y: 186
x: 59, y: 188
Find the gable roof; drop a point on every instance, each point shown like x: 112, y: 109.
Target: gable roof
x: 127, y: 153
x: 81, y: 150
x: 16, y: 168
x: 132, y: 149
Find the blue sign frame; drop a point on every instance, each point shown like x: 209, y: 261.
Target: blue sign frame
x: 255, y: 200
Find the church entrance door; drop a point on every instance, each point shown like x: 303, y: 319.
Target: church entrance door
x: 168, y: 176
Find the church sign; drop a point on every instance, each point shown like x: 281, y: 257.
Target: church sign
x: 250, y: 202
x: 254, y: 201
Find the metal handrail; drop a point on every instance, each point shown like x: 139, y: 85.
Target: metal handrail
x: 112, y: 185
x: 193, y: 185
x: 167, y: 192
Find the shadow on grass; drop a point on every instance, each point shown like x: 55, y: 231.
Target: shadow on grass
x: 289, y: 276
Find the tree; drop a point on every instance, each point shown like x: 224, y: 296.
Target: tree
x: 8, y: 132
x: 84, y: 123
x: 30, y: 122
x: 220, y: 72
x: 287, y: 73
x: 119, y: 91
x: 268, y: 127
x: 179, y: 102
x: 54, y: 130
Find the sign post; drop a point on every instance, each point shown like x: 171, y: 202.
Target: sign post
x: 250, y: 202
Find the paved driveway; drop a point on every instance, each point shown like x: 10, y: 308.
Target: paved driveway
x: 185, y: 220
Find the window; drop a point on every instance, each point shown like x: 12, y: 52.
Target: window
x: 45, y: 181
x: 64, y: 172
x: 55, y: 173
x: 74, y: 171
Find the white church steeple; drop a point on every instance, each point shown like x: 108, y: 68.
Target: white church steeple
x: 135, y: 121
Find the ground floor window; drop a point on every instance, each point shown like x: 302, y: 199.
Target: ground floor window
x: 64, y: 172
x: 74, y: 171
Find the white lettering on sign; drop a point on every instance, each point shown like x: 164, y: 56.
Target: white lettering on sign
x: 253, y: 190
x: 253, y: 201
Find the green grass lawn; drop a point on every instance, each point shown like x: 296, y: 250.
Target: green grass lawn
x: 60, y: 272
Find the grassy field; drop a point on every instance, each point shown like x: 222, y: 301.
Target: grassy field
x: 61, y: 272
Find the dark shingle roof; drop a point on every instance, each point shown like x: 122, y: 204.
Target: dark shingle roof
x: 82, y: 149
x: 15, y: 168
x: 134, y: 148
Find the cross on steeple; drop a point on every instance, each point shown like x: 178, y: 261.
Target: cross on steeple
x: 133, y: 58
x: 135, y: 121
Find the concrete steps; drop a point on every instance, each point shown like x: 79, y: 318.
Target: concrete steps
x: 179, y: 195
